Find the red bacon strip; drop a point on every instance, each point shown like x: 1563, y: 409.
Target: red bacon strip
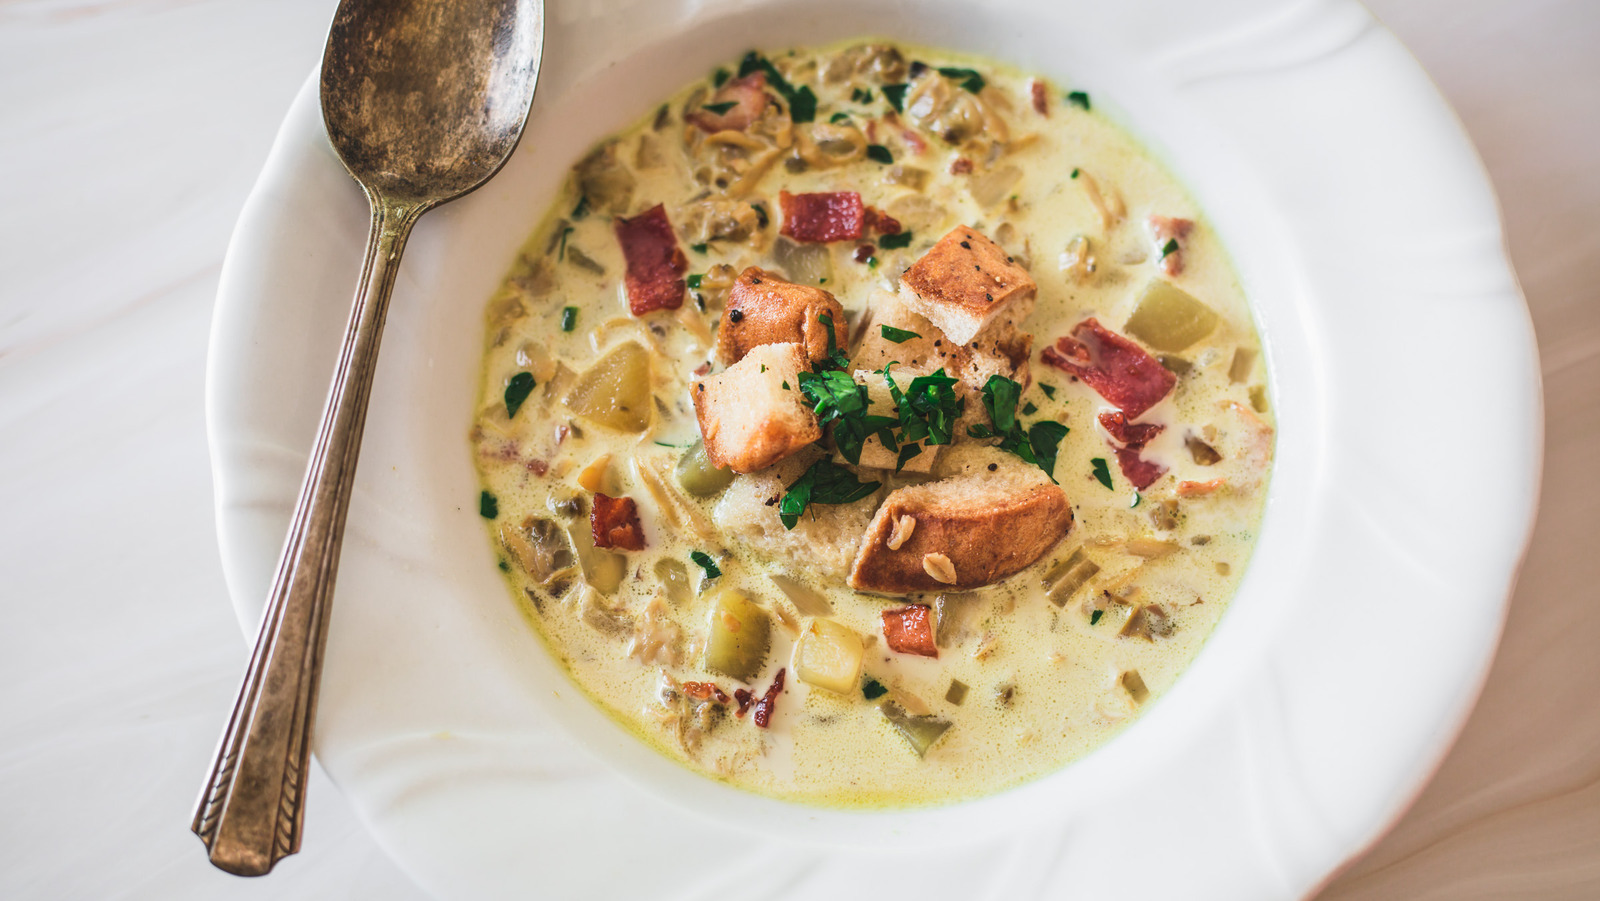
x: 909, y: 630
x: 655, y: 262
x: 749, y: 98
x: 881, y: 222
x: 1167, y: 228
x: 743, y: 697
x: 763, y: 714
x: 1112, y: 365
x: 818, y: 218
x: 1140, y: 472
x: 614, y: 522
x: 1128, y: 440
x: 705, y: 691
x: 1041, y: 102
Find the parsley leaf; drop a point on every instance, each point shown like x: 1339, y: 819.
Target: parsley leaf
x: 1101, y: 471
x: 836, y: 118
x: 838, y: 400
x: 1074, y: 173
x: 895, y: 241
x: 1030, y: 408
x: 1037, y: 445
x: 720, y: 108
x: 1000, y: 401
x: 701, y: 248
x: 488, y: 506
x: 569, y: 318
x: 837, y: 359
x: 971, y: 81
x: 693, y: 281
x: 802, y: 101
x: 896, y: 95
x: 1137, y: 497
x: 928, y: 407
x: 1079, y: 99
x: 826, y: 482
x: 704, y: 561
x: 1049, y: 390
x: 1044, y: 437
x: 517, y: 391
x: 898, y: 335
x: 872, y: 689
x: 720, y: 77
x: 861, y: 95
x: 1094, y: 618
x: 582, y: 209
x: 880, y: 153
x: 1170, y: 248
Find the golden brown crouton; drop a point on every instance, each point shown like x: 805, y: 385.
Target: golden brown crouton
x: 1002, y: 349
x: 966, y: 282
x: 752, y: 414
x: 960, y: 533
x: 764, y: 309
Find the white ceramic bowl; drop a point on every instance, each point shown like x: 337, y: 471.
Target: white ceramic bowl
x: 1404, y: 373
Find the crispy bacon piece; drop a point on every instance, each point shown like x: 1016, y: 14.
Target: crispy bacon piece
x: 655, y: 262
x: 763, y: 714
x: 1128, y: 440
x: 881, y: 222
x: 749, y: 98
x: 1041, y: 101
x: 614, y: 521
x: 702, y: 691
x: 1112, y: 365
x: 909, y: 630
x: 818, y: 218
x: 1167, y: 228
x: 960, y: 166
x: 742, y: 697
x: 863, y: 253
x: 1200, y: 489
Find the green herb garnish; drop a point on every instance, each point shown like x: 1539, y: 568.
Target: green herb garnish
x: 895, y: 241
x: 720, y: 108
x: 837, y: 359
x: 517, y: 390
x: 1074, y: 173
x: 802, y: 101
x: 582, y: 209
x: 1170, y: 248
x: 839, y: 117
x: 569, y: 318
x: 1137, y: 497
x: 488, y: 506
x: 704, y: 561
x: 898, y: 335
x: 1094, y: 618
x: 562, y: 254
x: 880, y: 153
x: 896, y: 95
x: 1079, y: 99
x: 872, y: 689
x: 928, y: 407
x: 826, y: 482
x: 1037, y: 444
x: 861, y: 95
x: 694, y: 281
x: 700, y: 248
x: 1101, y: 471
x: 970, y: 80
x: 1030, y: 408
x: 504, y: 566
x: 720, y: 77
x: 839, y: 401
x: 1044, y: 437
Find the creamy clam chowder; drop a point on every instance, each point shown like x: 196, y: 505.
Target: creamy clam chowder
x: 872, y: 426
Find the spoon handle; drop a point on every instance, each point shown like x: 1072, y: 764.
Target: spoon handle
x: 252, y: 807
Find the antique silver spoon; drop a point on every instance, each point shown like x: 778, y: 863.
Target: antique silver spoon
x: 424, y: 100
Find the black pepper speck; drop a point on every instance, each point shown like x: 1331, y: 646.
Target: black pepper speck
x: 735, y: 315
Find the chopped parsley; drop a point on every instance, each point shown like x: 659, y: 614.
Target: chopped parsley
x: 872, y: 689
x: 838, y: 400
x: 1170, y: 248
x: 569, y: 318
x: 898, y: 335
x: 504, y: 566
x: 720, y: 109
x: 826, y: 482
x: 837, y: 359
x: 1037, y: 444
x: 928, y: 407
x: 700, y: 248
x: 1074, y: 172
x: 704, y: 561
x: 895, y: 241
x: 1079, y: 99
x: 582, y: 209
x: 872, y: 262
x: 861, y: 95
x: 517, y: 390
x: 970, y: 80
x: 694, y: 281
x: 1101, y: 472
x: 720, y: 77
x: 1030, y: 408
x: 802, y: 101
x: 1137, y: 497
x: 839, y: 117
x: 880, y: 153
x: 786, y: 385
x: 488, y: 506
x: 562, y: 254
x: 1094, y: 618
x: 1049, y: 390
x: 896, y: 95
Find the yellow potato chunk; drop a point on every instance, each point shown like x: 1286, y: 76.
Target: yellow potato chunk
x: 615, y: 391
x: 741, y: 635
x: 828, y: 655
x: 1169, y: 319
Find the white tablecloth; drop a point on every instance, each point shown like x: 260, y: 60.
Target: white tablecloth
x: 130, y: 133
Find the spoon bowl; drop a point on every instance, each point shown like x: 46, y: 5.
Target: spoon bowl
x: 424, y: 101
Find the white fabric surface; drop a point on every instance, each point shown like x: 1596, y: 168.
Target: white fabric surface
x: 130, y: 133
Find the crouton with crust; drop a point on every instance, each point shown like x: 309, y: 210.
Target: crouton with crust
x: 961, y: 532
x: 752, y: 414
x: 965, y: 283
x: 764, y: 309
x: 823, y: 542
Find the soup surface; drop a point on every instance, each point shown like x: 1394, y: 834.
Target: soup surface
x: 873, y: 426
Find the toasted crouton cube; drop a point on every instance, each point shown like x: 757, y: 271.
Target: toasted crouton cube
x: 873, y: 452
x: 752, y: 414
x: 822, y: 544
x: 764, y: 309
x: 960, y: 533
x: 965, y: 283
x: 1000, y: 350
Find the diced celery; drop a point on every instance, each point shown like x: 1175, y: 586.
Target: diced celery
x: 957, y: 692
x: 602, y: 569
x: 828, y: 655
x: 741, y: 635
x: 1244, y: 363
x: 698, y: 475
x: 1169, y: 319
x: 920, y: 731
x: 674, y: 578
x: 615, y: 391
x: 1077, y: 571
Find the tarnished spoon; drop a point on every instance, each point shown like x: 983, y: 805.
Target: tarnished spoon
x: 424, y: 100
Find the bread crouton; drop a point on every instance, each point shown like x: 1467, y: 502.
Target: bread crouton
x: 823, y: 542
x: 1002, y: 349
x: 874, y: 454
x: 965, y: 283
x: 960, y: 533
x: 752, y: 414
x: 764, y: 309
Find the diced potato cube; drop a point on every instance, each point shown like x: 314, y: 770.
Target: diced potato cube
x: 1169, y: 318
x: 741, y: 635
x: 828, y: 655
x: 615, y: 391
